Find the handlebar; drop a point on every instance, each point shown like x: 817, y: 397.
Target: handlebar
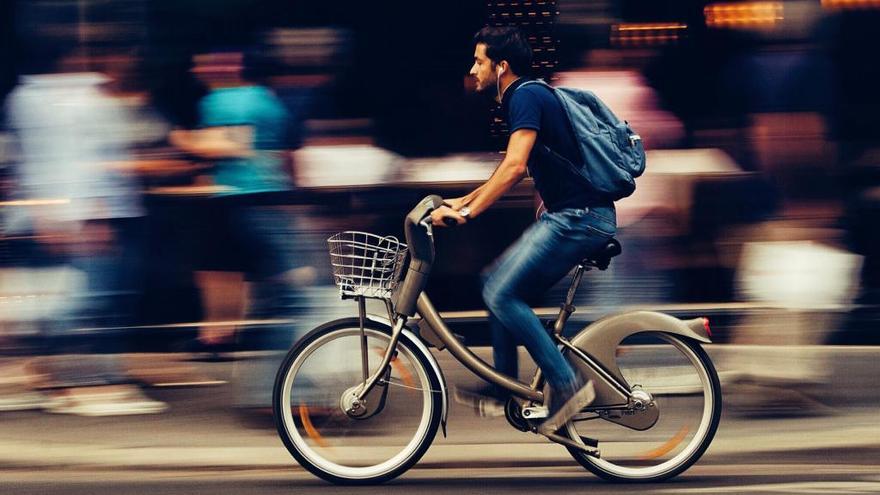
x: 421, y: 250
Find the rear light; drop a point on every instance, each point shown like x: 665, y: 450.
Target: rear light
x: 706, y: 326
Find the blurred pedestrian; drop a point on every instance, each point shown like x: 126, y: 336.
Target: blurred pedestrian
x: 803, y: 282
x: 71, y: 135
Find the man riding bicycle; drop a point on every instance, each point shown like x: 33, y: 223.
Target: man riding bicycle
x: 576, y: 222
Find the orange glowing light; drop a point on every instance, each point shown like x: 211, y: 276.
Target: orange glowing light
x: 850, y: 4
x: 743, y: 14
x: 641, y: 34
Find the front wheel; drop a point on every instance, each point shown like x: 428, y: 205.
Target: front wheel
x: 680, y: 377
x: 312, y: 391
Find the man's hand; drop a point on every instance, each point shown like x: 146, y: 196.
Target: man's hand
x: 439, y: 214
x: 454, y: 203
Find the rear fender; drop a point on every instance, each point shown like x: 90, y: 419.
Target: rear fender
x: 600, y: 340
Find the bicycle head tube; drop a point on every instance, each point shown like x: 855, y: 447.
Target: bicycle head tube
x: 421, y: 254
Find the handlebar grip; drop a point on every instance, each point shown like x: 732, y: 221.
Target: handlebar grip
x: 433, y: 202
x: 449, y: 221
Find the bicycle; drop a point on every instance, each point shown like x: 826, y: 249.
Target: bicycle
x: 359, y: 400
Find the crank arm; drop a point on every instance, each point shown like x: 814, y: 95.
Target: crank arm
x: 589, y: 449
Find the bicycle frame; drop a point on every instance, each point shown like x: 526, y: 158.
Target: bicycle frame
x: 437, y: 329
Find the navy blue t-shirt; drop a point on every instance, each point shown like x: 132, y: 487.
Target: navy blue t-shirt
x: 536, y: 107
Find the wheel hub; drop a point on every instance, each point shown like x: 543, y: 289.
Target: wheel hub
x: 641, y: 400
x: 351, y: 405
x: 640, y: 414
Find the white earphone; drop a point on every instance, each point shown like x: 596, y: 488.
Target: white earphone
x: 498, y: 82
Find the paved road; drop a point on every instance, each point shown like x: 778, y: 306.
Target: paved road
x: 202, y: 446
x: 776, y: 476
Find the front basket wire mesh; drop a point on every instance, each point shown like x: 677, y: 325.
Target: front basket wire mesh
x: 366, y: 264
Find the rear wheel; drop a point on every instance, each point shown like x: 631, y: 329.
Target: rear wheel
x: 313, y: 392
x: 680, y: 377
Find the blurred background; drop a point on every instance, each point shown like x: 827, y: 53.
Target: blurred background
x: 170, y: 171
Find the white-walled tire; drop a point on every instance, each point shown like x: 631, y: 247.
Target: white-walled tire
x: 345, y: 450
x: 681, y: 377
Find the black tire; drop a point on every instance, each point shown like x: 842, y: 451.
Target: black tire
x: 435, y: 403
x: 715, y: 418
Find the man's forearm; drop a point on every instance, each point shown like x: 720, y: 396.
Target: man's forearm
x: 216, y: 149
x: 507, y: 175
x: 213, y: 143
x: 469, y: 198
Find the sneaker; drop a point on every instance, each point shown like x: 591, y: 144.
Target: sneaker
x: 564, y: 406
x: 486, y: 402
x: 114, y: 400
x: 22, y: 401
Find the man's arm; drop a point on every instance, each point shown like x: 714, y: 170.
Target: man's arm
x: 215, y: 143
x: 510, y: 171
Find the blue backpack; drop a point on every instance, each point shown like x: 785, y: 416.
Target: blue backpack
x: 611, y: 153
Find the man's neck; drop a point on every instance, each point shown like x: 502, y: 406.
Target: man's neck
x: 504, y: 83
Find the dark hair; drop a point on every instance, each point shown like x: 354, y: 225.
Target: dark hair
x: 507, y: 43
x: 256, y: 63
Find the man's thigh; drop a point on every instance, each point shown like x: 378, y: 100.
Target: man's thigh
x: 536, y: 261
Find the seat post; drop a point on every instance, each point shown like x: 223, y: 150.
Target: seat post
x: 567, y: 308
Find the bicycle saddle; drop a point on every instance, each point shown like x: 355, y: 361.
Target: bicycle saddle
x: 601, y: 258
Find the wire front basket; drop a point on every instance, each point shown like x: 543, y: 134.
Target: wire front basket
x: 366, y: 264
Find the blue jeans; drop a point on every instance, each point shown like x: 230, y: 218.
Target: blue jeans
x: 114, y: 280
x: 544, y: 254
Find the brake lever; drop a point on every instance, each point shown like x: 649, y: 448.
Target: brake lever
x: 426, y: 223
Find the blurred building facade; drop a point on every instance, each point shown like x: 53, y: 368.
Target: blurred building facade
x: 774, y: 99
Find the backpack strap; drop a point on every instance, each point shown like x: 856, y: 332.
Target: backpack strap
x: 542, y: 83
x: 539, y: 82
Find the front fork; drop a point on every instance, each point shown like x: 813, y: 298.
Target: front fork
x: 370, y: 381
x: 367, y: 398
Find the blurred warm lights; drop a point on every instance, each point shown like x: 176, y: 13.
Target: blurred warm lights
x: 35, y: 202
x: 646, y: 33
x: 850, y: 4
x: 743, y: 15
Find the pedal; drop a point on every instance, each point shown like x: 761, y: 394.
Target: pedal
x: 592, y: 442
x: 536, y: 412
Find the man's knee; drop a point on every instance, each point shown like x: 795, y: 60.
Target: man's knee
x: 495, y: 294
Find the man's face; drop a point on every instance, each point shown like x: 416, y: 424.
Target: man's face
x: 483, y: 70
x: 217, y: 68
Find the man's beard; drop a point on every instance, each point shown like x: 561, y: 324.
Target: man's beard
x: 490, y: 90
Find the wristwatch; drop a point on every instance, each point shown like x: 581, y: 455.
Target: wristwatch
x: 464, y: 211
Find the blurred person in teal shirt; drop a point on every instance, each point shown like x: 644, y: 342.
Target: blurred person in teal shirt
x: 246, y: 132
x: 244, y: 128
